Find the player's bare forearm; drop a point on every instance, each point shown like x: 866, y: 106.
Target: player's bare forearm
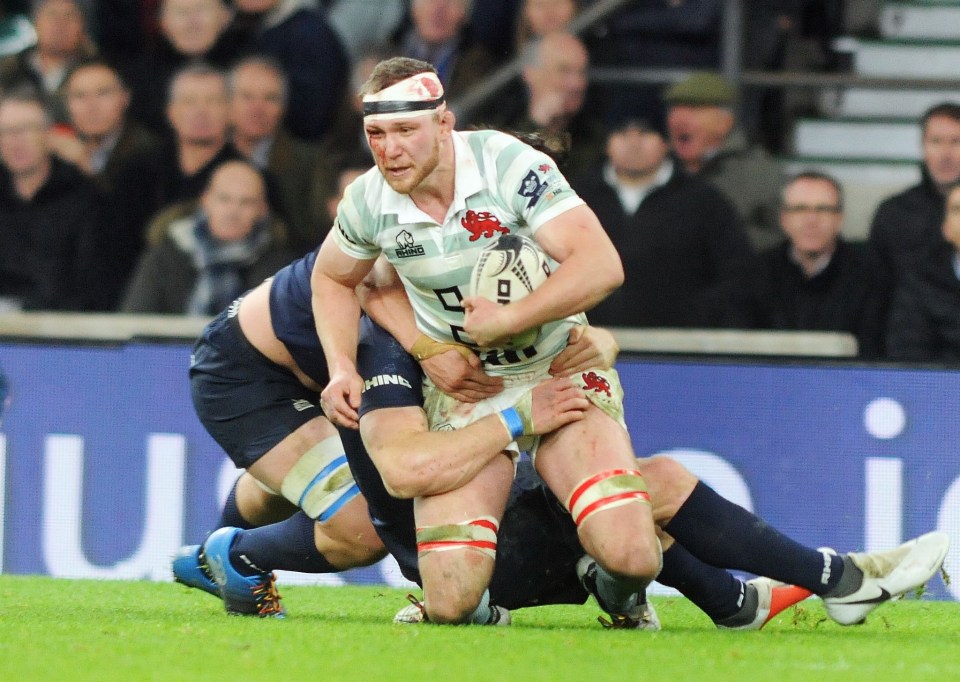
x: 337, y: 314
x: 384, y: 299
x: 387, y: 304
x: 336, y: 309
x: 414, y: 461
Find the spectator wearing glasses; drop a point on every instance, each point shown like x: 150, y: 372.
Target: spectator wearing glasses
x: 815, y: 280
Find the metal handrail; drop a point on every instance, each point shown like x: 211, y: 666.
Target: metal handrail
x: 778, y: 79
x: 468, y: 103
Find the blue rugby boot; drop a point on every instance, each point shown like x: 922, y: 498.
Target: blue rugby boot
x: 244, y: 595
x: 190, y: 569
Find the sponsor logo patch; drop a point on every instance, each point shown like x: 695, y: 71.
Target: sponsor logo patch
x: 385, y: 380
x: 532, y: 187
x: 301, y: 405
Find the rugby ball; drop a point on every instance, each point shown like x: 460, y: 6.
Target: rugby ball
x: 506, y: 271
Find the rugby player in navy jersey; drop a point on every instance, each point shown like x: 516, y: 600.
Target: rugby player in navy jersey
x: 245, y: 382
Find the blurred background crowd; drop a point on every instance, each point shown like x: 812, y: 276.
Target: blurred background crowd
x: 163, y: 156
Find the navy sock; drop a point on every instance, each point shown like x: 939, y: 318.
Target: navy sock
x: 287, y: 545
x: 230, y: 516
x: 715, y: 591
x: 724, y: 534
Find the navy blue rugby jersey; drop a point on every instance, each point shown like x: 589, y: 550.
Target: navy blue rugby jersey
x: 292, y: 317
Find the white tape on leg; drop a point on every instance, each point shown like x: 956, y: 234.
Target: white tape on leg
x: 320, y: 483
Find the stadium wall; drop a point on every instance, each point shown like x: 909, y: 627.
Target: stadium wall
x: 105, y: 471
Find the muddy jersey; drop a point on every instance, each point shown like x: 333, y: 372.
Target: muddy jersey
x: 502, y: 186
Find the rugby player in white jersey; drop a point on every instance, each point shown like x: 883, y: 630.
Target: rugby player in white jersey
x: 436, y: 198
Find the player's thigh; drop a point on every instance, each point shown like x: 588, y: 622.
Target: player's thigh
x: 251, y: 406
x: 582, y: 449
x: 484, y: 496
x: 275, y: 465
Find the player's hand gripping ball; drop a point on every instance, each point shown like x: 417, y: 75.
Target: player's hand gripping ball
x: 506, y: 271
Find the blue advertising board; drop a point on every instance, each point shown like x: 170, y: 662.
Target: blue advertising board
x: 105, y: 470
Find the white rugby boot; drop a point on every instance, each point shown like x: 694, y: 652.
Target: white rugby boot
x: 415, y: 612
x: 890, y: 574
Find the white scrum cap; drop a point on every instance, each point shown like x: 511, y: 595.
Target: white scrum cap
x: 420, y: 94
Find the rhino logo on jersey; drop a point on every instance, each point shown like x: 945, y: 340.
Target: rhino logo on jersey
x: 407, y: 247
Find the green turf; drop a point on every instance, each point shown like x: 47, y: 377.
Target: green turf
x: 86, y: 630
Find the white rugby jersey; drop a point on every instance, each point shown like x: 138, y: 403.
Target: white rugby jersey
x: 502, y: 185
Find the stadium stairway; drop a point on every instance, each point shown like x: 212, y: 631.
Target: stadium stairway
x: 869, y: 138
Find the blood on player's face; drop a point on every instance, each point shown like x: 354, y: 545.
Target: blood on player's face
x: 406, y: 150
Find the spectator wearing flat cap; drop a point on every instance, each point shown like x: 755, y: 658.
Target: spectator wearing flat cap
x: 705, y: 138
x: 680, y: 240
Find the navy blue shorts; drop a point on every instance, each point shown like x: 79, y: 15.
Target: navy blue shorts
x: 245, y: 401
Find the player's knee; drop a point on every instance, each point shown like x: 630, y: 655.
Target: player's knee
x: 640, y: 560
x: 668, y: 481
x: 455, y: 563
x: 452, y: 607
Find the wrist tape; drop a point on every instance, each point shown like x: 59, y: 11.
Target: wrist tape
x: 425, y: 348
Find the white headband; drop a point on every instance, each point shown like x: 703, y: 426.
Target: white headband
x: 417, y: 95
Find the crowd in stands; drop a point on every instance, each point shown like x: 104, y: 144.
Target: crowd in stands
x: 165, y: 155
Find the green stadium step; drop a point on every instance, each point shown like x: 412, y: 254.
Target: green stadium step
x: 857, y: 139
x: 924, y: 21
x: 882, y: 103
x: 914, y: 59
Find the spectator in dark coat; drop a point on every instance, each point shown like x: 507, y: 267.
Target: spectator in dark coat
x: 190, y: 30
x: 258, y: 97
x: 680, y: 240
x: 298, y: 36
x: 209, y: 257
x: 550, y: 100
x: 440, y: 34
x: 101, y: 138
x: 925, y: 317
x: 815, y: 281
x: 56, y: 229
x: 705, y: 137
x: 906, y: 225
x: 199, y: 115
x: 62, y: 41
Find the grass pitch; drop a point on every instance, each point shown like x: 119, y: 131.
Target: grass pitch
x: 90, y: 630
